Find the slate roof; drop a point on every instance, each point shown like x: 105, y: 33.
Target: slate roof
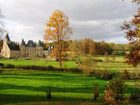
x: 7, y: 37
x: 31, y: 44
x: 13, y: 46
x: 39, y: 43
x: 23, y: 42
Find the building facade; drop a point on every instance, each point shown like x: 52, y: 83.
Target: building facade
x: 12, y: 49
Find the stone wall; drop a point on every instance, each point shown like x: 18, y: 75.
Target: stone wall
x: 23, y: 51
x: 14, y: 54
x: 39, y: 51
x: 31, y: 51
x: 5, y: 52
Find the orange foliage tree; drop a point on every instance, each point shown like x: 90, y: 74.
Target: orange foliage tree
x: 57, y: 30
x: 137, y: 1
x: 132, y: 30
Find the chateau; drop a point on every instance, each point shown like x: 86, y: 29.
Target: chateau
x: 12, y: 49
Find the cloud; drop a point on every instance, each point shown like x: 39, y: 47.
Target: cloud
x: 96, y: 19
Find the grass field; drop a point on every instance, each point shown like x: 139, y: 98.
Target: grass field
x: 20, y: 86
x: 37, y: 62
x: 31, y: 86
x: 117, y: 66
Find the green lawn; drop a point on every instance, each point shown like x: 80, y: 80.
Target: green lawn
x: 38, y: 62
x: 30, y: 86
x: 114, y: 66
x: 23, y: 86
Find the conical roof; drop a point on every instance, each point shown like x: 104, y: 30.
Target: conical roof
x: 31, y: 44
x: 7, y: 37
x: 23, y: 42
x: 40, y: 43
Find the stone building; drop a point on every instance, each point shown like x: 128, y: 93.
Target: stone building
x: 12, y: 49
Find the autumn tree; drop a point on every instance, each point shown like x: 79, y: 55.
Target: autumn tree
x: 88, y: 46
x: 102, y: 47
x: 117, y: 86
x: 113, y: 56
x: 108, y: 97
x: 132, y: 30
x: 114, y: 92
x: 57, y: 30
x: 74, y: 46
x: 136, y: 1
x: 88, y: 64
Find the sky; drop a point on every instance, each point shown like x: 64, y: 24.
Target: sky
x: 99, y: 20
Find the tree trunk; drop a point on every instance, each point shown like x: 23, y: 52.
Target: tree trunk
x: 59, y: 53
x: 60, y: 60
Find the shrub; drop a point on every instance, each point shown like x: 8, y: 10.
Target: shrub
x: 117, y: 86
x: 96, y: 91
x: 48, y: 93
x: 98, y: 60
x: 135, y: 98
x: 9, y: 66
x: 50, y: 68
x: 33, y: 67
x: 114, y: 92
x: 126, y: 75
x: 105, y: 75
x: 77, y: 60
x: 108, y: 97
x: 88, y: 65
x: 77, y: 70
x: 1, y: 65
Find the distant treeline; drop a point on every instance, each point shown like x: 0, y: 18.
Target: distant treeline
x: 90, y: 47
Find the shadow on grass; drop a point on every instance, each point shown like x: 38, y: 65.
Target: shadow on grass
x: 14, y: 98
x: 42, y: 74
x: 45, y: 88
x: 62, y: 93
x: 130, y: 89
x: 58, y: 94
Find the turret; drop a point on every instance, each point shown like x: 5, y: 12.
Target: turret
x: 39, y: 44
x: 23, y: 48
x: 39, y: 49
x: 7, y: 38
x: 23, y: 43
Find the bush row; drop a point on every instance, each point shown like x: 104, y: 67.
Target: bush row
x: 129, y: 76
x: 102, y: 74
x: 106, y: 75
x: 33, y: 67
